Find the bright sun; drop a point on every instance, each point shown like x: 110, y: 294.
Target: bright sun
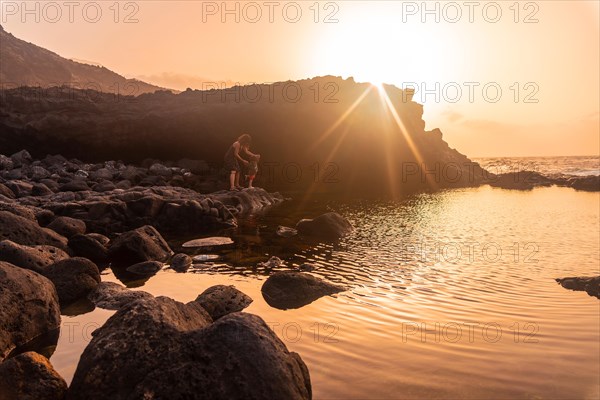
x: 383, y: 50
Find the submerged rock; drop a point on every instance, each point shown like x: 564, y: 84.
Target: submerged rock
x: 221, y: 300
x: 291, y: 289
x: 328, y: 226
x: 142, y: 244
x: 35, y: 258
x: 168, y: 350
x: 73, y: 278
x: 112, y: 296
x: 28, y: 307
x: 146, y: 268
x: 30, y: 376
x: 588, y: 284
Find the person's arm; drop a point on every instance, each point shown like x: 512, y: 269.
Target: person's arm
x: 247, y: 151
x: 236, y: 153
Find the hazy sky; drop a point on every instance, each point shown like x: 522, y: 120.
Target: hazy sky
x: 502, y: 78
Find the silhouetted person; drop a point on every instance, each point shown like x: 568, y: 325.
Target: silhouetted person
x: 233, y: 159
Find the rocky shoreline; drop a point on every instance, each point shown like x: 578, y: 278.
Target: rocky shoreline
x: 63, y: 221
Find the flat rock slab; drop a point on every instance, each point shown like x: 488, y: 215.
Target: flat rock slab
x: 588, y: 284
x: 205, y: 257
x: 291, y: 289
x: 208, y: 242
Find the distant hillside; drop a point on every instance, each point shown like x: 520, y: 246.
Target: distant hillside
x: 334, y: 133
x: 25, y: 64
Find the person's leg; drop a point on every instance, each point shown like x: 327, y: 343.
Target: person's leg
x: 237, y: 179
x: 250, y: 180
x: 232, y: 175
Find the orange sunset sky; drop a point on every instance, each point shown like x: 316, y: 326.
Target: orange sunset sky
x: 543, y: 56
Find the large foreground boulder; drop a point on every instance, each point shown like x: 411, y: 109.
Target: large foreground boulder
x: 162, y: 349
x: 35, y: 258
x: 327, y: 226
x: 28, y: 307
x: 30, y: 376
x: 142, y: 244
x: 67, y: 226
x: 292, y: 289
x: 588, y: 284
x: 24, y: 231
x: 74, y: 278
x: 221, y: 300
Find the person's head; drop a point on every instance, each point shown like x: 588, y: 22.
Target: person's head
x: 245, y: 140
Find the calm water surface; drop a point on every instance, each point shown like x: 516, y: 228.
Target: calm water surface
x: 451, y: 295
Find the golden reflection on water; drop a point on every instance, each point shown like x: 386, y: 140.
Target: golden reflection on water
x: 452, y: 295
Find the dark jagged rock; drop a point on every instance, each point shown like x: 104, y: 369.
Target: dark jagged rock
x: 24, y: 231
x: 21, y: 158
x: 585, y: 183
x: 73, y: 278
x: 221, y: 300
x: 67, y: 226
x: 145, y: 268
x: 328, y: 226
x: 30, y: 376
x: 522, y: 180
x: 87, y: 246
x: 142, y: 244
x: 588, y: 284
x: 112, y: 296
x: 28, y: 307
x: 19, y: 210
x: 36, y: 258
x: 170, y: 350
x: 291, y: 289
x: 181, y: 262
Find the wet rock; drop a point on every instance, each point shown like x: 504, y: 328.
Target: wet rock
x: 588, y: 284
x: 28, y: 307
x: 73, y: 278
x: 208, y: 242
x: 181, y: 262
x: 273, y: 262
x: 221, y: 300
x: 112, y: 296
x: 24, y: 231
x: 170, y: 350
x: 284, y: 231
x: 146, y: 268
x: 67, y: 226
x: 291, y: 289
x: 306, y: 267
x: 142, y: 244
x: 30, y: 376
x: 36, y: 258
x: 522, y: 180
x: 329, y: 226
x: 87, y: 246
x: 587, y: 183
